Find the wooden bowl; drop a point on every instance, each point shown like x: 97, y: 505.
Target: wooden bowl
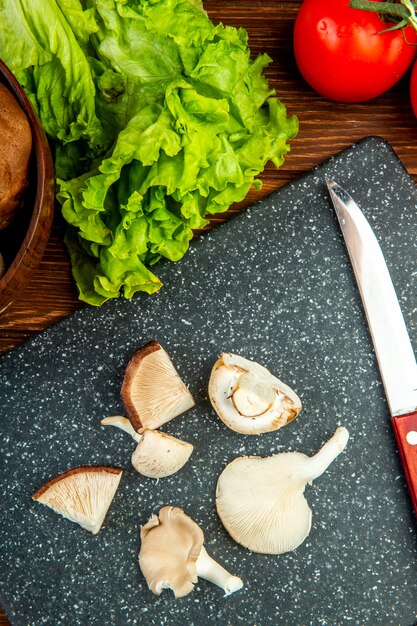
x: 23, y: 243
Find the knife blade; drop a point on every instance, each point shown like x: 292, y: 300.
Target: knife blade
x: 393, y: 349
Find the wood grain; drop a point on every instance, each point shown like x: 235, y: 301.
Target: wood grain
x: 403, y: 425
x: 325, y: 128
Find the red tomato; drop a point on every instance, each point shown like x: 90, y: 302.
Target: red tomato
x: 342, y: 54
x: 413, y: 89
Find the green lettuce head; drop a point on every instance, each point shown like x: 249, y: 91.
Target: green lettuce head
x: 158, y: 119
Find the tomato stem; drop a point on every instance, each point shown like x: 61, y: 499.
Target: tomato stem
x: 403, y: 11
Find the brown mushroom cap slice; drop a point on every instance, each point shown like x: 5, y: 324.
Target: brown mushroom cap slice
x: 248, y: 398
x: 152, y: 390
x: 172, y: 555
x: 261, y: 502
x: 82, y: 495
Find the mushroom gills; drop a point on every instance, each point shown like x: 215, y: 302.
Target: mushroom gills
x: 261, y: 503
x: 152, y: 391
x: 248, y: 398
x: 82, y: 495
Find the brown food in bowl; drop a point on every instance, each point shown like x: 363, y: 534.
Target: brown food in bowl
x: 15, y: 149
x: 23, y: 243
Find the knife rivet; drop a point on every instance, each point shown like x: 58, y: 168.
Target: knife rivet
x: 412, y: 437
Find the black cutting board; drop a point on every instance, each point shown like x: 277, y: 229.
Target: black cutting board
x: 274, y: 285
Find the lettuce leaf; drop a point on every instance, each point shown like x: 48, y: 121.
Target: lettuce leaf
x: 158, y: 119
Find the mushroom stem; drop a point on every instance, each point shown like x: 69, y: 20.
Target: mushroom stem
x: 212, y: 571
x: 124, y: 424
x: 318, y: 463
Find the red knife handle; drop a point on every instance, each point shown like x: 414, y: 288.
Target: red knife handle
x: 405, y: 429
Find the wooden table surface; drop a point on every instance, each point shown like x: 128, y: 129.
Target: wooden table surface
x: 325, y: 129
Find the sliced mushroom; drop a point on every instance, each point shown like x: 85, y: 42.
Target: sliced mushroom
x: 172, y: 555
x: 260, y: 501
x: 152, y: 390
x: 248, y: 398
x: 82, y: 495
x: 157, y: 454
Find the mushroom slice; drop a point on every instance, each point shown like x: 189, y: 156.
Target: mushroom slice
x: 248, y: 398
x: 260, y: 501
x: 172, y: 555
x: 152, y: 390
x: 157, y: 454
x: 82, y: 495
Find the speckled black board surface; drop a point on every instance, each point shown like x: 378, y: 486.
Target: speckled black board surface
x: 275, y: 285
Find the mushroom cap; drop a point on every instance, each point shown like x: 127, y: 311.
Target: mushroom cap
x: 261, y: 506
x: 248, y: 398
x: 171, y: 543
x: 152, y: 390
x: 260, y: 501
x: 82, y: 495
x: 158, y: 454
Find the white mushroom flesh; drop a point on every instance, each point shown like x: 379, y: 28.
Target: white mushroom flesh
x: 157, y: 454
x: 82, y: 495
x: 248, y: 398
x: 172, y: 555
x: 124, y: 424
x: 212, y: 571
x: 261, y: 502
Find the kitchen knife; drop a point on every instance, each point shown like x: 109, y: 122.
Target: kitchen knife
x: 391, y: 341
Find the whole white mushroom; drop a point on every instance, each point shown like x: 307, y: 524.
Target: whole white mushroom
x: 172, y: 555
x: 261, y: 502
